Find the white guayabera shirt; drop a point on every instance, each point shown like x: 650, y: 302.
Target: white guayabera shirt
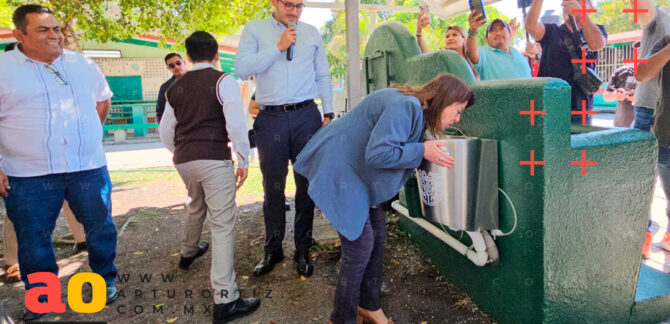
x: 48, y: 118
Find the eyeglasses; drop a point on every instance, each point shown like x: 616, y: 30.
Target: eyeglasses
x: 59, y: 77
x: 289, y: 6
x: 175, y: 64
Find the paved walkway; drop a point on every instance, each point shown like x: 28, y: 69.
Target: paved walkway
x: 137, y: 156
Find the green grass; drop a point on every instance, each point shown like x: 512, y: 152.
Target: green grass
x: 132, y: 177
x: 254, y: 183
x: 252, y: 186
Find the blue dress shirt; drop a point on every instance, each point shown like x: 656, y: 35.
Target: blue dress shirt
x: 278, y: 80
x: 363, y: 158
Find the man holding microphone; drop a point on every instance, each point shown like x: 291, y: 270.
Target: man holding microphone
x: 288, y: 61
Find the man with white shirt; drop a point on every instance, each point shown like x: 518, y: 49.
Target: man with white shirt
x: 203, y: 113
x: 52, y: 104
x: 288, y: 61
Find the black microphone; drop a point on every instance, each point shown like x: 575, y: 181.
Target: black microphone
x: 289, y: 52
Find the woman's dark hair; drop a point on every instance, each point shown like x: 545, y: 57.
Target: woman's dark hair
x: 434, y: 96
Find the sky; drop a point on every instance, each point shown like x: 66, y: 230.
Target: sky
x: 318, y: 17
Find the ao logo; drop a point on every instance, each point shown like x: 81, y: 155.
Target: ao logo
x: 431, y: 187
x: 52, y: 289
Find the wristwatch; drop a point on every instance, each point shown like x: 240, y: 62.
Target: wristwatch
x: 330, y: 115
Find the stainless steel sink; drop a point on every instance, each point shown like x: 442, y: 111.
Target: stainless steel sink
x: 464, y: 197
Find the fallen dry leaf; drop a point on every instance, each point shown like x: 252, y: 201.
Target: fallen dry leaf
x: 172, y: 320
x: 303, y: 278
x: 245, y: 277
x: 139, y: 253
x: 175, y: 254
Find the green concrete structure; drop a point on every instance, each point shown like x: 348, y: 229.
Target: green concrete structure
x: 574, y: 256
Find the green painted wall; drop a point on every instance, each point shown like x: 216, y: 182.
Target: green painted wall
x: 125, y: 87
x: 575, y: 254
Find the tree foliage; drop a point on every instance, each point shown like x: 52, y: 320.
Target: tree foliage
x: 610, y: 14
x: 5, y: 14
x: 105, y: 20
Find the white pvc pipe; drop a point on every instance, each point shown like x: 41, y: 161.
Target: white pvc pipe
x: 478, y: 256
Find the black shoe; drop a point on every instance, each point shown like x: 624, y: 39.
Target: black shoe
x: 305, y: 266
x: 268, y: 263
x: 230, y: 311
x: 185, y: 262
x: 112, y: 294
x: 30, y: 316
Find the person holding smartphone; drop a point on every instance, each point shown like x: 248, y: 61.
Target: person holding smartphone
x: 454, y: 39
x: 556, y: 59
x: 498, y: 60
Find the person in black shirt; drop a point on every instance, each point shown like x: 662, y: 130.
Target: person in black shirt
x: 556, y: 60
x: 176, y: 65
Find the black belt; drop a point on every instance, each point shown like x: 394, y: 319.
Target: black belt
x: 288, y: 107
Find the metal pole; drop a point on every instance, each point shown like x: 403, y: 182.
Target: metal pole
x: 353, y: 52
x: 531, y: 60
x: 373, y: 19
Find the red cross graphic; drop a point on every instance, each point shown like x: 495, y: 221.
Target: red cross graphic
x: 583, y: 112
x: 583, y: 61
x: 532, y: 112
x: 635, y: 11
x: 584, y: 162
x: 532, y: 162
x: 584, y: 11
x: 635, y: 60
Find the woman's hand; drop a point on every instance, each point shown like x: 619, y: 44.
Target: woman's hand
x: 422, y: 22
x: 433, y: 152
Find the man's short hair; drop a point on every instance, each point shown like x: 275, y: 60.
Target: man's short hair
x: 19, y: 15
x: 171, y: 55
x: 10, y: 46
x: 202, y: 46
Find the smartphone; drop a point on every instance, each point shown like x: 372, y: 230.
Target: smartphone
x: 478, y: 7
x: 423, y: 8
